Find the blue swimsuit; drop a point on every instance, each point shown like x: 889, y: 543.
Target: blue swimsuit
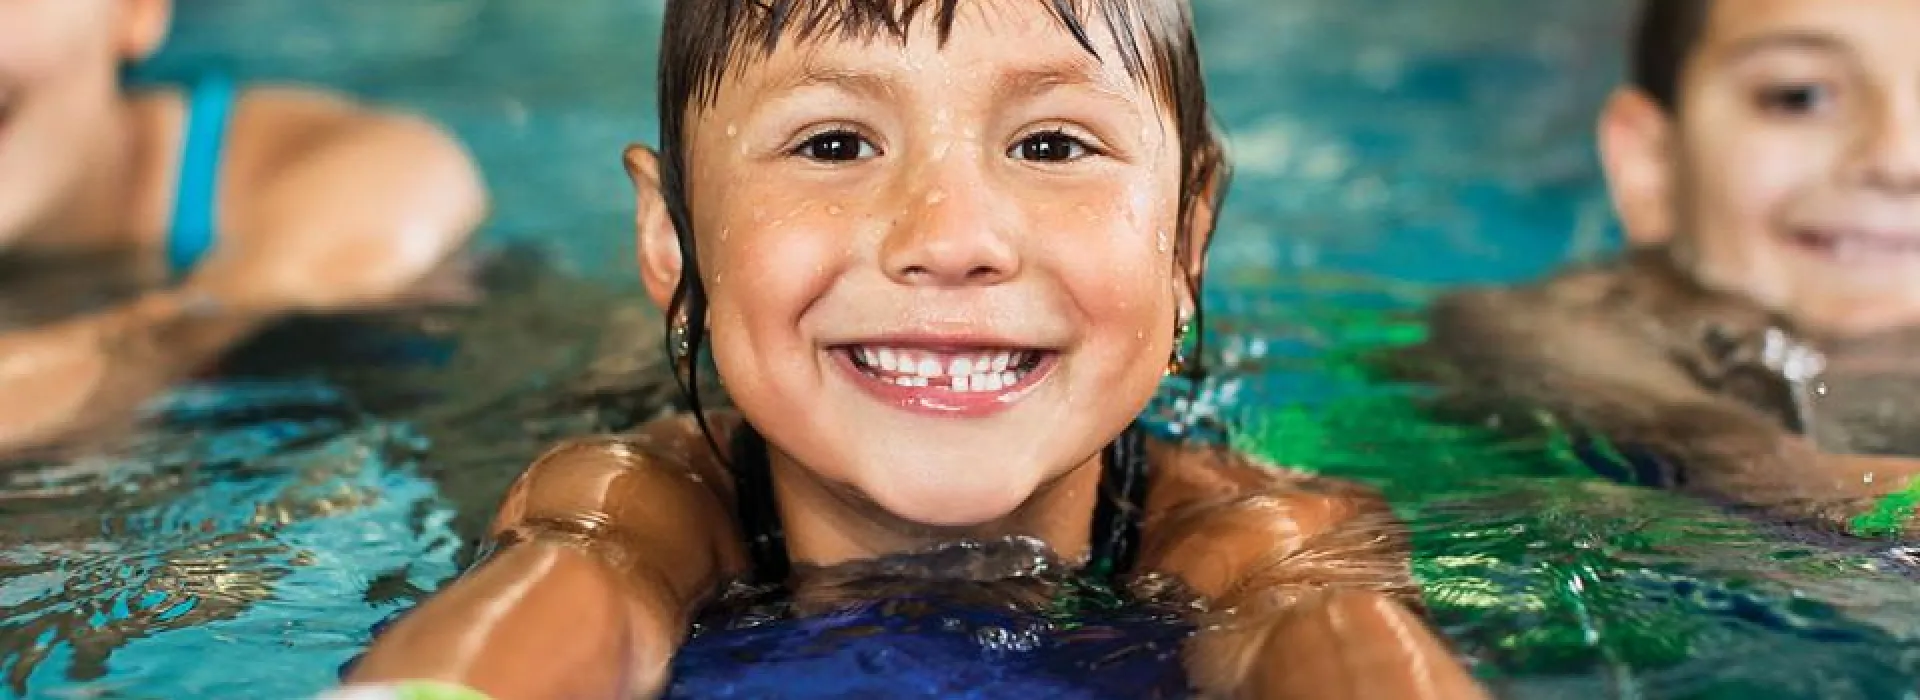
x: 194, y: 228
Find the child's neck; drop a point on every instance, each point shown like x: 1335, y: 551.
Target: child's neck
x: 828, y: 524
x: 122, y: 198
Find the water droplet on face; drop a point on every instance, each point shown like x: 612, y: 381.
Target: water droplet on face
x: 1163, y: 242
x: 833, y: 210
x: 733, y: 130
x: 724, y: 232
x: 936, y: 196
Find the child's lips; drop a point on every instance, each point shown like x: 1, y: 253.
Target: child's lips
x: 1859, y: 244
x: 972, y: 384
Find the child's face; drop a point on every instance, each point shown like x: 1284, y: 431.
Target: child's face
x: 59, y: 73
x: 873, y: 218
x: 1792, y: 170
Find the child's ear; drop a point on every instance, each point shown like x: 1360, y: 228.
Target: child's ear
x: 1637, y: 151
x: 659, y: 244
x: 1199, y: 231
x: 143, y: 27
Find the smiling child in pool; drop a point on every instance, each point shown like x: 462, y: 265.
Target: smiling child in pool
x: 941, y: 257
x: 1757, y: 344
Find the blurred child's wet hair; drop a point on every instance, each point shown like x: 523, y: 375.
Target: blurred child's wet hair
x: 705, y: 39
x: 1663, y: 43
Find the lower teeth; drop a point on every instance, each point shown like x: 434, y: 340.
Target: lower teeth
x: 977, y: 382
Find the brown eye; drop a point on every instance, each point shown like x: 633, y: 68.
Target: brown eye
x: 1794, y: 99
x: 1050, y: 147
x: 837, y: 146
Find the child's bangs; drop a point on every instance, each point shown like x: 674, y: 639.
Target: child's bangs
x: 723, y: 35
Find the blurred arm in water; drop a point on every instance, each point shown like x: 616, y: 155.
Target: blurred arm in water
x: 1635, y: 353
x: 331, y: 208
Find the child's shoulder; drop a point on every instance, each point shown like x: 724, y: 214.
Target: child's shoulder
x: 1193, y: 475
x: 274, y: 126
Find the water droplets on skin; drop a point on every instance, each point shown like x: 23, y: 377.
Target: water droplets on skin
x: 1163, y: 243
x: 936, y: 196
x: 834, y: 209
x: 733, y: 130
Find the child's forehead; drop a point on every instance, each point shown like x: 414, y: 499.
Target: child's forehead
x: 883, y: 68
x: 1013, y: 42
x: 1738, y: 29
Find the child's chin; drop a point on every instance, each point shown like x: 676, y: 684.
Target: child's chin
x: 967, y: 501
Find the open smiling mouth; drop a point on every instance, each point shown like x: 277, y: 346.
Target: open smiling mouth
x: 976, y: 371
x: 956, y: 381
x: 1856, y: 246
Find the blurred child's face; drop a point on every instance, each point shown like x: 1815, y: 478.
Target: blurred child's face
x: 1791, y: 172
x: 939, y: 275
x: 59, y: 82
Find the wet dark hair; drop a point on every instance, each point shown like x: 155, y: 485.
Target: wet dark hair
x: 1663, y: 43
x: 704, y: 39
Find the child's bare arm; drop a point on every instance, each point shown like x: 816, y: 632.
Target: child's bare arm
x: 607, y: 547
x: 92, y: 372
x: 1309, y: 579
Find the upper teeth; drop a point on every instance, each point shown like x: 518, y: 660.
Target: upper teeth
x: 983, y: 371
x: 927, y: 364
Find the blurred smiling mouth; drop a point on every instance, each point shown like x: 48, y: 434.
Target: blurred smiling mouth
x: 955, y: 379
x: 1859, y: 245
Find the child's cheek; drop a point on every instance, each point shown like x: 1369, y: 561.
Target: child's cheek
x: 1748, y: 173
x: 1117, y: 265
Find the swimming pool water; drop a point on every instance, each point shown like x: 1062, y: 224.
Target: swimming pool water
x: 1383, y: 147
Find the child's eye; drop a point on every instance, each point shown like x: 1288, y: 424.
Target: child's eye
x: 1050, y: 147
x: 1794, y: 99
x: 836, y: 146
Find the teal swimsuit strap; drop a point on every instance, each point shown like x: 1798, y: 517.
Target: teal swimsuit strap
x: 195, y: 204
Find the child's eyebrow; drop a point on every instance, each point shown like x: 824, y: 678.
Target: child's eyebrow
x: 1799, y: 40
x: 864, y: 83
x: 1015, y: 83
x: 1028, y: 81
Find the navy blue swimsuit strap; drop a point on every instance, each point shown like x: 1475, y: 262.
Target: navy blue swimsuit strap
x: 1116, y: 517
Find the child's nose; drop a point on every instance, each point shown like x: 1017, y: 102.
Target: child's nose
x: 1889, y: 157
x: 948, y: 236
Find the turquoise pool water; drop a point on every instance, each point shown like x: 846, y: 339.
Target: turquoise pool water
x: 1384, y: 147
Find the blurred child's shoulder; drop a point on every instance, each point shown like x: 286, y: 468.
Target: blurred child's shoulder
x: 267, y: 127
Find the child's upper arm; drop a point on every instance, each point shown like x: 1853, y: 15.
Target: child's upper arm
x: 656, y: 504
